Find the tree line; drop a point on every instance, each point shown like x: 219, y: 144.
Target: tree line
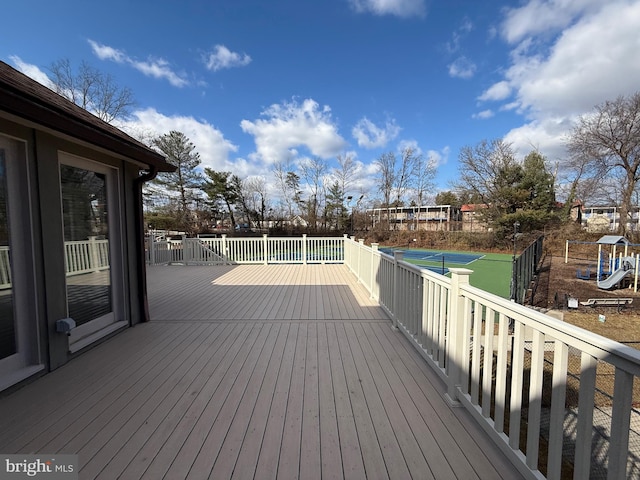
x: 602, y: 167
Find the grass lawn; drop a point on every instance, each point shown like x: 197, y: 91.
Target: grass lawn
x: 491, y: 272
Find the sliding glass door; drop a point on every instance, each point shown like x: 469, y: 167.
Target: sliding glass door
x: 92, y: 246
x: 18, y: 316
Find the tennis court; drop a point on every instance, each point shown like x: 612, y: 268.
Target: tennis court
x: 491, y: 271
x: 436, y: 261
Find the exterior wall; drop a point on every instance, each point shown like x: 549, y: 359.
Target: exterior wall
x: 471, y: 222
x: 45, y: 240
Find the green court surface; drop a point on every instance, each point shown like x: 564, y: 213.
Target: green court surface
x: 491, y: 271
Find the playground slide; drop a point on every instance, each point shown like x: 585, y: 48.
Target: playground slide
x: 614, y: 278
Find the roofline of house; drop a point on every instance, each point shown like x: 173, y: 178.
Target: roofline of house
x: 25, y: 98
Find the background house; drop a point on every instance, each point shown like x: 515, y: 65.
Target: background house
x: 70, y: 228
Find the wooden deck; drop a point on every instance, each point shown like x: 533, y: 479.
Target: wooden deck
x: 252, y: 372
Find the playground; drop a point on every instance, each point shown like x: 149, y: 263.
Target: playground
x: 613, y: 266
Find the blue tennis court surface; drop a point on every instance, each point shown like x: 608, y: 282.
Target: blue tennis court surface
x: 436, y: 256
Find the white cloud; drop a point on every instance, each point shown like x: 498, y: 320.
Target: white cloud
x: 370, y: 135
x: 31, y: 71
x: 210, y: 143
x: 399, y: 8
x: 458, y: 36
x: 543, y: 16
x: 412, y: 144
x: 484, y: 114
x: 462, y: 68
x: 588, y: 64
x: 546, y: 136
x: 104, y: 52
x: 221, y: 57
x: 156, y: 68
x: 562, y: 68
x: 497, y: 91
x: 290, y: 125
x: 439, y: 157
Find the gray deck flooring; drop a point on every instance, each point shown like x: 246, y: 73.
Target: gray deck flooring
x: 252, y: 372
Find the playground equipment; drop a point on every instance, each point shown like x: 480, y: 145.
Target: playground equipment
x: 626, y: 267
x: 613, y: 267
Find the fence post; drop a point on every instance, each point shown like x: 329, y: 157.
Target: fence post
x: 186, y: 257
x: 397, y: 258
x: 264, y: 248
x: 346, y: 248
x: 304, y: 248
x: 152, y: 250
x: 374, y: 251
x: 457, y: 338
x: 94, y: 257
x: 360, y: 250
x: 225, y: 252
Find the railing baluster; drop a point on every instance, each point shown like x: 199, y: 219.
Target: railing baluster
x: 557, y: 411
x: 620, y: 422
x: 517, y: 380
x: 487, y: 364
x: 535, y: 399
x: 584, y: 434
x: 501, y: 372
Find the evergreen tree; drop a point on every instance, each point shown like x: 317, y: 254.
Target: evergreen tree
x: 182, y: 184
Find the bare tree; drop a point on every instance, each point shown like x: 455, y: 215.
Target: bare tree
x: 93, y: 90
x: 287, y: 185
x: 490, y: 173
x: 386, y: 164
x: 607, y: 142
x: 425, y: 172
x: 344, y: 174
x: 255, y: 193
x: 405, y: 177
x: 313, y: 171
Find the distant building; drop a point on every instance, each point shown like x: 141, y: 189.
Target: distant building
x: 472, y: 220
x: 426, y: 217
x: 601, y: 219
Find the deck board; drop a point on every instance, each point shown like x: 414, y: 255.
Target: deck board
x: 263, y: 372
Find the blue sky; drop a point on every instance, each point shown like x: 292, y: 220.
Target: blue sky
x: 252, y: 82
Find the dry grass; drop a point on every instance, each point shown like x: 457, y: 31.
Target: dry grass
x: 623, y: 327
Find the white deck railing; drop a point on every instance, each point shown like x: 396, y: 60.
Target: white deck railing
x: 233, y: 250
x: 80, y: 257
x: 554, y: 397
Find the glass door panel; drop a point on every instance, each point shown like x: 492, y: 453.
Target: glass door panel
x: 86, y: 220
x: 8, y: 340
x: 19, y: 356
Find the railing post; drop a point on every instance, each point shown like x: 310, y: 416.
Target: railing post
x: 152, y: 250
x: 264, y: 248
x: 374, y: 250
x: 186, y: 257
x: 94, y: 257
x: 457, y: 338
x: 225, y: 251
x: 360, y: 249
x: 304, y: 248
x: 397, y: 258
x: 346, y: 249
